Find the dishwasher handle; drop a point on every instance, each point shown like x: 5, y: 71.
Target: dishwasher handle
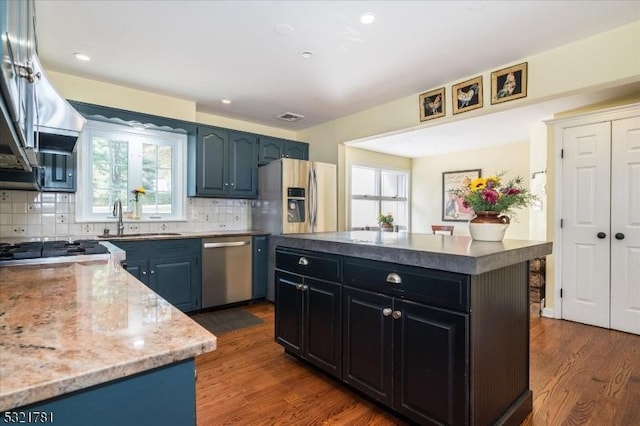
x: 227, y: 244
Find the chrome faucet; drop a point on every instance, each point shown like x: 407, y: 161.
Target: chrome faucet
x: 117, y: 210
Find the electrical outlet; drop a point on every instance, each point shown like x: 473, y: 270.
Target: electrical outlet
x: 87, y: 228
x: 164, y: 227
x: 19, y: 231
x: 133, y: 228
x: 5, y: 196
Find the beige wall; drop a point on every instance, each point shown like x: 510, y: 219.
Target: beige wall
x: 557, y: 73
x: 426, y: 193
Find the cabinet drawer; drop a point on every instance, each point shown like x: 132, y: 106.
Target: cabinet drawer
x: 159, y: 248
x: 437, y: 288
x: 312, y: 264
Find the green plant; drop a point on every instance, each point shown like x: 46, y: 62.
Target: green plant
x: 385, y: 219
x: 489, y: 194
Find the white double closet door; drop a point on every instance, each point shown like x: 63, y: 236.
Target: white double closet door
x: 601, y: 224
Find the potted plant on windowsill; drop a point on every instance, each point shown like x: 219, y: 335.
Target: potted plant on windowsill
x: 386, y: 222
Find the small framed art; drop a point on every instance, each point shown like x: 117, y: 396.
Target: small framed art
x: 467, y: 95
x: 432, y: 104
x: 509, y: 83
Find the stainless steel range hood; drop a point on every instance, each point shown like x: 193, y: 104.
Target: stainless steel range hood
x: 56, y: 127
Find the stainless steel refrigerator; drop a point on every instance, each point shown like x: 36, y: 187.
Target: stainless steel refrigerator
x: 295, y: 197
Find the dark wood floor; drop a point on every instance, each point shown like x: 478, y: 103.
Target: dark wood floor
x: 580, y: 375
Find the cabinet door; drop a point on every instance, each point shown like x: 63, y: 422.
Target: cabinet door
x: 174, y: 280
x: 322, y: 345
x: 260, y: 266
x: 270, y: 149
x: 243, y: 165
x: 139, y: 269
x: 430, y: 364
x: 211, y: 161
x: 368, y: 343
x: 296, y: 150
x: 289, y: 299
x: 59, y: 172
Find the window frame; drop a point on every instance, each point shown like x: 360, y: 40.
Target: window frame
x: 378, y: 188
x: 178, y: 143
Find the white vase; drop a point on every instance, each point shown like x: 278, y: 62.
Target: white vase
x: 488, y: 226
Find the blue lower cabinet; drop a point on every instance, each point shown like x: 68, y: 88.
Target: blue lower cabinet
x: 260, y: 266
x: 159, y: 397
x: 171, y: 268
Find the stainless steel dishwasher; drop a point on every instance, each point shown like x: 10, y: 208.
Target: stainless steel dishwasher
x: 226, y: 270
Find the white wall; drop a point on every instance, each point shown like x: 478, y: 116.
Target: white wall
x: 426, y: 193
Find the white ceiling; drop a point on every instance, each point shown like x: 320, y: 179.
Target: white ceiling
x: 206, y: 51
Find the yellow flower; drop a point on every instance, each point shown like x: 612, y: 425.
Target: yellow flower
x: 140, y: 190
x: 478, y: 183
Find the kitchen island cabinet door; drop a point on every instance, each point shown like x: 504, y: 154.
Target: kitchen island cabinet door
x: 430, y: 364
x: 368, y: 343
x: 139, y: 269
x: 289, y: 300
x: 322, y: 337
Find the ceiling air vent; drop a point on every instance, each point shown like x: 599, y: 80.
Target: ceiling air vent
x: 289, y: 116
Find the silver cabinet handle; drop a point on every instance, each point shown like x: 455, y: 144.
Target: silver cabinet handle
x: 228, y: 244
x: 396, y: 314
x: 153, y: 272
x: 394, y: 278
x: 144, y: 272
x: 386, y: 312
x: 299, y: 287
x: 305, y: 287
x: 303, y: 261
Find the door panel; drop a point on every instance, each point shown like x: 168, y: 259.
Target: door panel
x: 586, y: 189
x: 625, y: 220
x: 368, y: 343
x: 172, y: 279
x: 243, y: 173
x: 322, y: 326
x: 289, y: 307
x: 212, y: 153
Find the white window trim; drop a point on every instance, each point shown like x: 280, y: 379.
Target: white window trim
x: 381, y: 198
x: 179, y: 182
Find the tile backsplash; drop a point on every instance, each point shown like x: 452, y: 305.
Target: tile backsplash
x: 49, y: 215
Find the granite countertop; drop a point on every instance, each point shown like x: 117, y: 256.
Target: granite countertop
x: 145, y: 236
x: 444, y: 252
x: 69, y: 326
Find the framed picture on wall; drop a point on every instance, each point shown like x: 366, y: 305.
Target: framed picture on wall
x: 452, y: 206
x: 467, y: 95
x: 431, y: 104
x: 509, y: 83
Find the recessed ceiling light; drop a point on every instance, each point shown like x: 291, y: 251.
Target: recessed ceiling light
x: 82, y: 57
x: 226, y: 101
x: 306, y: 54
x: 367, y: 18
x: 283, y: 29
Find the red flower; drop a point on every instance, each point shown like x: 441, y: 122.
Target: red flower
x: 490, y: 195
x: 510, y: 191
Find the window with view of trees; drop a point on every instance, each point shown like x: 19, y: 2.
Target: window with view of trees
x: 115, y: 159
x: 376, y: 191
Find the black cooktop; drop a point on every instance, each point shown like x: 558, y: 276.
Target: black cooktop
x: 35, y: 249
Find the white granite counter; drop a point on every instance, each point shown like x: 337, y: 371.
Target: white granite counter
x: 69, y: 326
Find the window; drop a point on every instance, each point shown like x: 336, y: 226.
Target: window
x: 378, y: 191
x: 114, y: 159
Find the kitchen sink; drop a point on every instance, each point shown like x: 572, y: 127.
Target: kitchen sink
x: 142, y: 234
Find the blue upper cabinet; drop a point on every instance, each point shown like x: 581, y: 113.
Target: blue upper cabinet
x: 225, y: 164
x: 273, y: 148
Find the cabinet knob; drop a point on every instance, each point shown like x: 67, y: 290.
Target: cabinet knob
x: 144, y: 272
x: 619, y: 236
x: 394, y: 278
x: 386, y: 312
x: 153, y: 272
x: 226, y: 184
x: 305, y: 287
x: 396, y: 314
x: 232, y: 184
x: 601, y: 235
x: 303, y: 261
x: 259, y: 250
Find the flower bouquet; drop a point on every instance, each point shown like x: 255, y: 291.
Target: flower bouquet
x: 136, y: 198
